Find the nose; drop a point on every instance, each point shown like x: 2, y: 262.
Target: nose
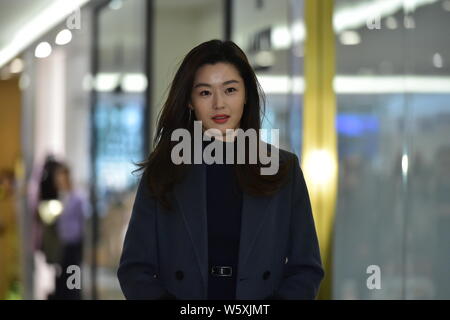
x: 218, y: 100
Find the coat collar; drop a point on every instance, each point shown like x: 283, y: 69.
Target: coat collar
x: 190, y: 195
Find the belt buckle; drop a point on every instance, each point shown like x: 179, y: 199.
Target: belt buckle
x: 222, y: 271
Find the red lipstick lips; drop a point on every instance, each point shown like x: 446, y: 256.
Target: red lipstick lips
x: 220, y: 118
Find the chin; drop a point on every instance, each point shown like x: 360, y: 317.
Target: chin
x: 222, y: 128
x: 224, y: 131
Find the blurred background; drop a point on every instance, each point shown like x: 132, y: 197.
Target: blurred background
x: 82, y: 82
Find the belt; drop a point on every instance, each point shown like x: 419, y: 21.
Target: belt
x: 222, y: 271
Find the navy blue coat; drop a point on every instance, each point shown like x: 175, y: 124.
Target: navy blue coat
x: 166, y: 254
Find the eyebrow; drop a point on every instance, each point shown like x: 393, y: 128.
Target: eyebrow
x: 208, y: 85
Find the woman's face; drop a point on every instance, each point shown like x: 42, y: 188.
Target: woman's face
x: 62, y: 180
x: 218, y: 90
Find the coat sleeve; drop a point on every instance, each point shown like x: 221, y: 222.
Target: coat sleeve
x: 138, y: 269
x: 303, y: 271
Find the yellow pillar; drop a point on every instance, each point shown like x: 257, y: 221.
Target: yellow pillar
x: 319, y: 151
x: 10, y: 109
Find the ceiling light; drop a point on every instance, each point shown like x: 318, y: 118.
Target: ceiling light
x: 43, y: 50
x: 16, y: 66
x: 275, y: 84
x: 390, y: 84
x: 106, y: 82
x: 437, y: 60
x: 350, y: 38
x: 404, y: 164
x: 63, y: 37
x: 298, y: 32
x: 134, y: 82
x: 280, y: 37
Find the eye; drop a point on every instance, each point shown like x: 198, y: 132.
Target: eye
x: 231, y: 89
x: 201, y: 92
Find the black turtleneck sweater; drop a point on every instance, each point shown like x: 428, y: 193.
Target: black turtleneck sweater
x: 224, y: 206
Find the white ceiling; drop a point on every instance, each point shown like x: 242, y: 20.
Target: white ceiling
x: 23, y: 21
x: 15, y: 13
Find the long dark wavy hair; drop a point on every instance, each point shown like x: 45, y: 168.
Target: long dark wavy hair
x: 160, y: 173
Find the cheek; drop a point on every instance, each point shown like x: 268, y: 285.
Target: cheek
x: 201, y: 111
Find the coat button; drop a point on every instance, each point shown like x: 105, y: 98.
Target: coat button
x: 179, y: 275
x: 266, y: 275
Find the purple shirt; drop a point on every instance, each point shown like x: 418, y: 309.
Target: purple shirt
x: 71, y: 221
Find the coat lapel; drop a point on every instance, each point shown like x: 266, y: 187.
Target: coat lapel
x: 191, y: 197
x: 254, y: 212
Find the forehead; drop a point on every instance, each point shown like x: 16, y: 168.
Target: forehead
x: 61, y: 171
x: 217, y: 73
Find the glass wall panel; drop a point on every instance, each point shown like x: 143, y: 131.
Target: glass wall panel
x: 272, y: 35
x: 427, y: 225
x: 393, y: 128
x: 119, y: 137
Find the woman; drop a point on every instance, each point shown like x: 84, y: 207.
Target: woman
x: 70, y: 226
x: 218, y: 231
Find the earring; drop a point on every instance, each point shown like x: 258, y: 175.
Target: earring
x: 190, y: 115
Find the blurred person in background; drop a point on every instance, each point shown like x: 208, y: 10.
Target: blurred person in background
x: 47, y: 242
x: 70, y: 228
